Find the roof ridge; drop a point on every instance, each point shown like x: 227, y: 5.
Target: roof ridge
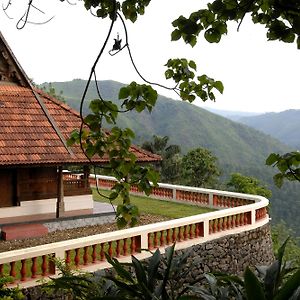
x: 63, y: 105
x: 15, y: 72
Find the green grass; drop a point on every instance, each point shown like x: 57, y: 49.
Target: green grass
x: 158, y: 207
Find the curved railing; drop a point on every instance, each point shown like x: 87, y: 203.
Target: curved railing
x: 235, y: 213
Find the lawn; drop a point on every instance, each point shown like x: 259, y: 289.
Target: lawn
x: 158, y: 207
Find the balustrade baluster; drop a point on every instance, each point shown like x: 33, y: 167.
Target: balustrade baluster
x: 44, y: 265
x: 12, y: 272
x: 185, y: 232
x: 125, y: 246
x: 1, y: 269
x: 168, y: 237
x: 33, y: 267
x: 214, y: 228
x: 192, y: 230
x: 150, y: 246
x: 23, y: 269
x: 102, y: 252
x: 211, y: 224
x: 225, y: 223
x: 110, y: 249
x: 68, y: 257
x: 174, y: 236
x: 155, y: 240
x: 230, y: 222
x: 180, y: 235
x: 162, y: 238
x: 238, y: 220
x: 201, y: 229
x: 94, y: 253
x: 234, y: 221
x: 242, y: 221
x: 219, y: 227
x: 77, y: 257
x: 118, y: 248
x: 133, y: 245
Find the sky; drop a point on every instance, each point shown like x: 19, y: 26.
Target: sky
x: 259, y: 76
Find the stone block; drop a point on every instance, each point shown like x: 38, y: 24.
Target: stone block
x: 22, y: 231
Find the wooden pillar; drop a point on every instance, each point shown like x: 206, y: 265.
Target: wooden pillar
x: 60, y: 207
x: 15, y: 188
x: 86, y: 174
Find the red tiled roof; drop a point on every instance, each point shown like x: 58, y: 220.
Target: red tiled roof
x: 28, y: 137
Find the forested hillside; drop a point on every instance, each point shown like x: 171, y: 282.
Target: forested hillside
x: 283, y: 125
x: 239, y: 148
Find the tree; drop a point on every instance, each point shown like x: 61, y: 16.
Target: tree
x: 199, y: 168
x: 248, y: 185
x: 171, y: 159
x: 287, y: 165
x: 50, y: 90
x: 280, y: 17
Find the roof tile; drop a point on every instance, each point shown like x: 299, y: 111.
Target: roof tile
x: 28, y: 137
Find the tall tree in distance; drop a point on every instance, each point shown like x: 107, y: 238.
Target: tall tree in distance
x: 248, y: 185
x: 171, y: 158
x: 200, y: 169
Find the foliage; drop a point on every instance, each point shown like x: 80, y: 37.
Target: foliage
x: 9, y: 293
x: 277, y: 281
x: 240, y: 149
x: 248, y: 185
x: 78, y: 285
x: 51, y: 91
x: 95, y: 141
x: 159, y: 278
x: 199, y: 168
x: 287, y: 165
x: 281, y: 18
x: 292, y: 250
x: 282, y: 21
x: 170, y: 154
x: 181, y: 71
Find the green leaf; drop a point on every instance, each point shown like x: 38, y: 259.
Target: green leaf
x: 176, y: 35
x: 123, y: 273
x: 272, y: 158
x: 219, y: 86
x: 254, y: 290
x: 140, y: 273
x: 289, y: 287
x: 95, y: 105
x: 278, y: 180
x: 153, y: 269
x: 192, y: 65
x: 124, y: 93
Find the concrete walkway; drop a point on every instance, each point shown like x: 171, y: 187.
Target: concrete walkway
x: 100, y: 207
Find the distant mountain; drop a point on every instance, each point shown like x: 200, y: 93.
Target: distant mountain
x: 285, y: 125
x: 239, y: 148
x: 233, y: 115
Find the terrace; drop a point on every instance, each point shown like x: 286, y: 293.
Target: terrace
x: 233, y: 213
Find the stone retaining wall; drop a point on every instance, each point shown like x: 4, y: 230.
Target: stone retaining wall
x: 230, y: 254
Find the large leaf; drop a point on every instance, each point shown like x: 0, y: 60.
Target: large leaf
x: 119, y: 269
x: 254, y: 290
x: 153, y: 269
x: 140, y: 274
x: 289, y: 288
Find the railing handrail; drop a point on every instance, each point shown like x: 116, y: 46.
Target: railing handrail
x: 256, y: 198
x: 186, y: 231
x: 144, y: 229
